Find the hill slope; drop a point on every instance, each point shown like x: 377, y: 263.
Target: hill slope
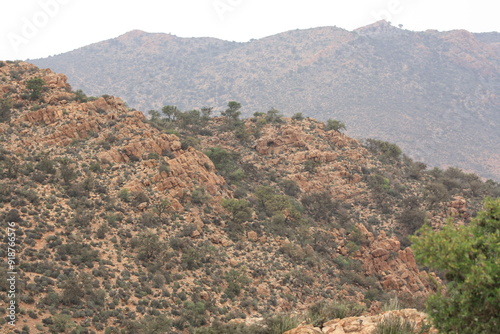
x: 128, y: 224
x: 436, y: 94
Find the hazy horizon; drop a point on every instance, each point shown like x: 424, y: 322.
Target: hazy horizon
x: 41, y: 28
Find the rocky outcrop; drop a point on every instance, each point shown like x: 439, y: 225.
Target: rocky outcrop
x: 457, y: 207
x: 365, y: 324
x: 395, y: 268
x: 290, y: 137
x: 114, y: 136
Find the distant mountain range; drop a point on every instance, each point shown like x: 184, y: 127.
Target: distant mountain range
x: 436, y: 94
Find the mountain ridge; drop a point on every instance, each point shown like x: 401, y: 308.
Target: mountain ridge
x: 436, y: 94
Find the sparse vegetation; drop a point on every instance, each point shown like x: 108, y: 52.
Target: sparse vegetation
x: 130, y: 228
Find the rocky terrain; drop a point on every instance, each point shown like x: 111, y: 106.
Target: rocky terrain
x: 184, y: 222
x: 365, y: 324
x: 435, y: 94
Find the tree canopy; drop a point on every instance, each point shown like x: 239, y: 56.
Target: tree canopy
x: 469, y: 256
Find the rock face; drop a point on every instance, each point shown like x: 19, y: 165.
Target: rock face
x: 119, y: 135
x: 396, y: 268
x: 364, y: 324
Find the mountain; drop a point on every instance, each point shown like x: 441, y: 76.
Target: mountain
x: 191, y: 222
x: 436, y: 94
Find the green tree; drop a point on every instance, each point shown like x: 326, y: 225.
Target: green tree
x: 193, y: 120
x: 469, y: 257
x: 35, y: 87
x: 333, y: 124
x: 232, y: 116
x: 236, y: 281
x: 155, y: 115
x: 274, y: 116
x: 233, y: 110
x: 170, y: 112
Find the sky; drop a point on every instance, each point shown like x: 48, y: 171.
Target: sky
x: 31, y: 29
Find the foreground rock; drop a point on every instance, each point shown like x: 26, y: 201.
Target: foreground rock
x: 364, y: 324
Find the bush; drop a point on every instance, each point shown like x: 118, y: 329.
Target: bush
x: 290, y: 187
x: 235, y: 283
x: 310, y: 166
x: 239, y: 208
x: 409, y: 222
x: 386, y: 151
x: 72, y: 293
x: 46, y: 165
x: 189, y: 141
x: 226, y: 163
x: 199, y: 196
x: 150, y: 247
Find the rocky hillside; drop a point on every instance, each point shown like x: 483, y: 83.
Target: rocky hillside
x: 186, y: 223
x: 435, y: 94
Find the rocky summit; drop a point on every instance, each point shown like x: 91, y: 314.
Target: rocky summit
x: 183, y: 222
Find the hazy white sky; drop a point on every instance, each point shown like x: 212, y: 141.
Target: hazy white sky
x: 39, y: 28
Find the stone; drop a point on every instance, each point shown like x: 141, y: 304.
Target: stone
x: 252, y: 236
x: 304, y: 329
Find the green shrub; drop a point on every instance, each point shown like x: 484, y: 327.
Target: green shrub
x: 5, y: 112
x: 274, y: 116
x: 281, y: 323
x: 199, y: 196
x: 384, y: 150
x: 35, y: 88
x: 226, y: 163
x: 324, y: 311
x: 238, y: 208
x: 235, y: 282
x: 311, y: 165
x: 46, y: 165
x: 395, y: 325
x: 290, y: 187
